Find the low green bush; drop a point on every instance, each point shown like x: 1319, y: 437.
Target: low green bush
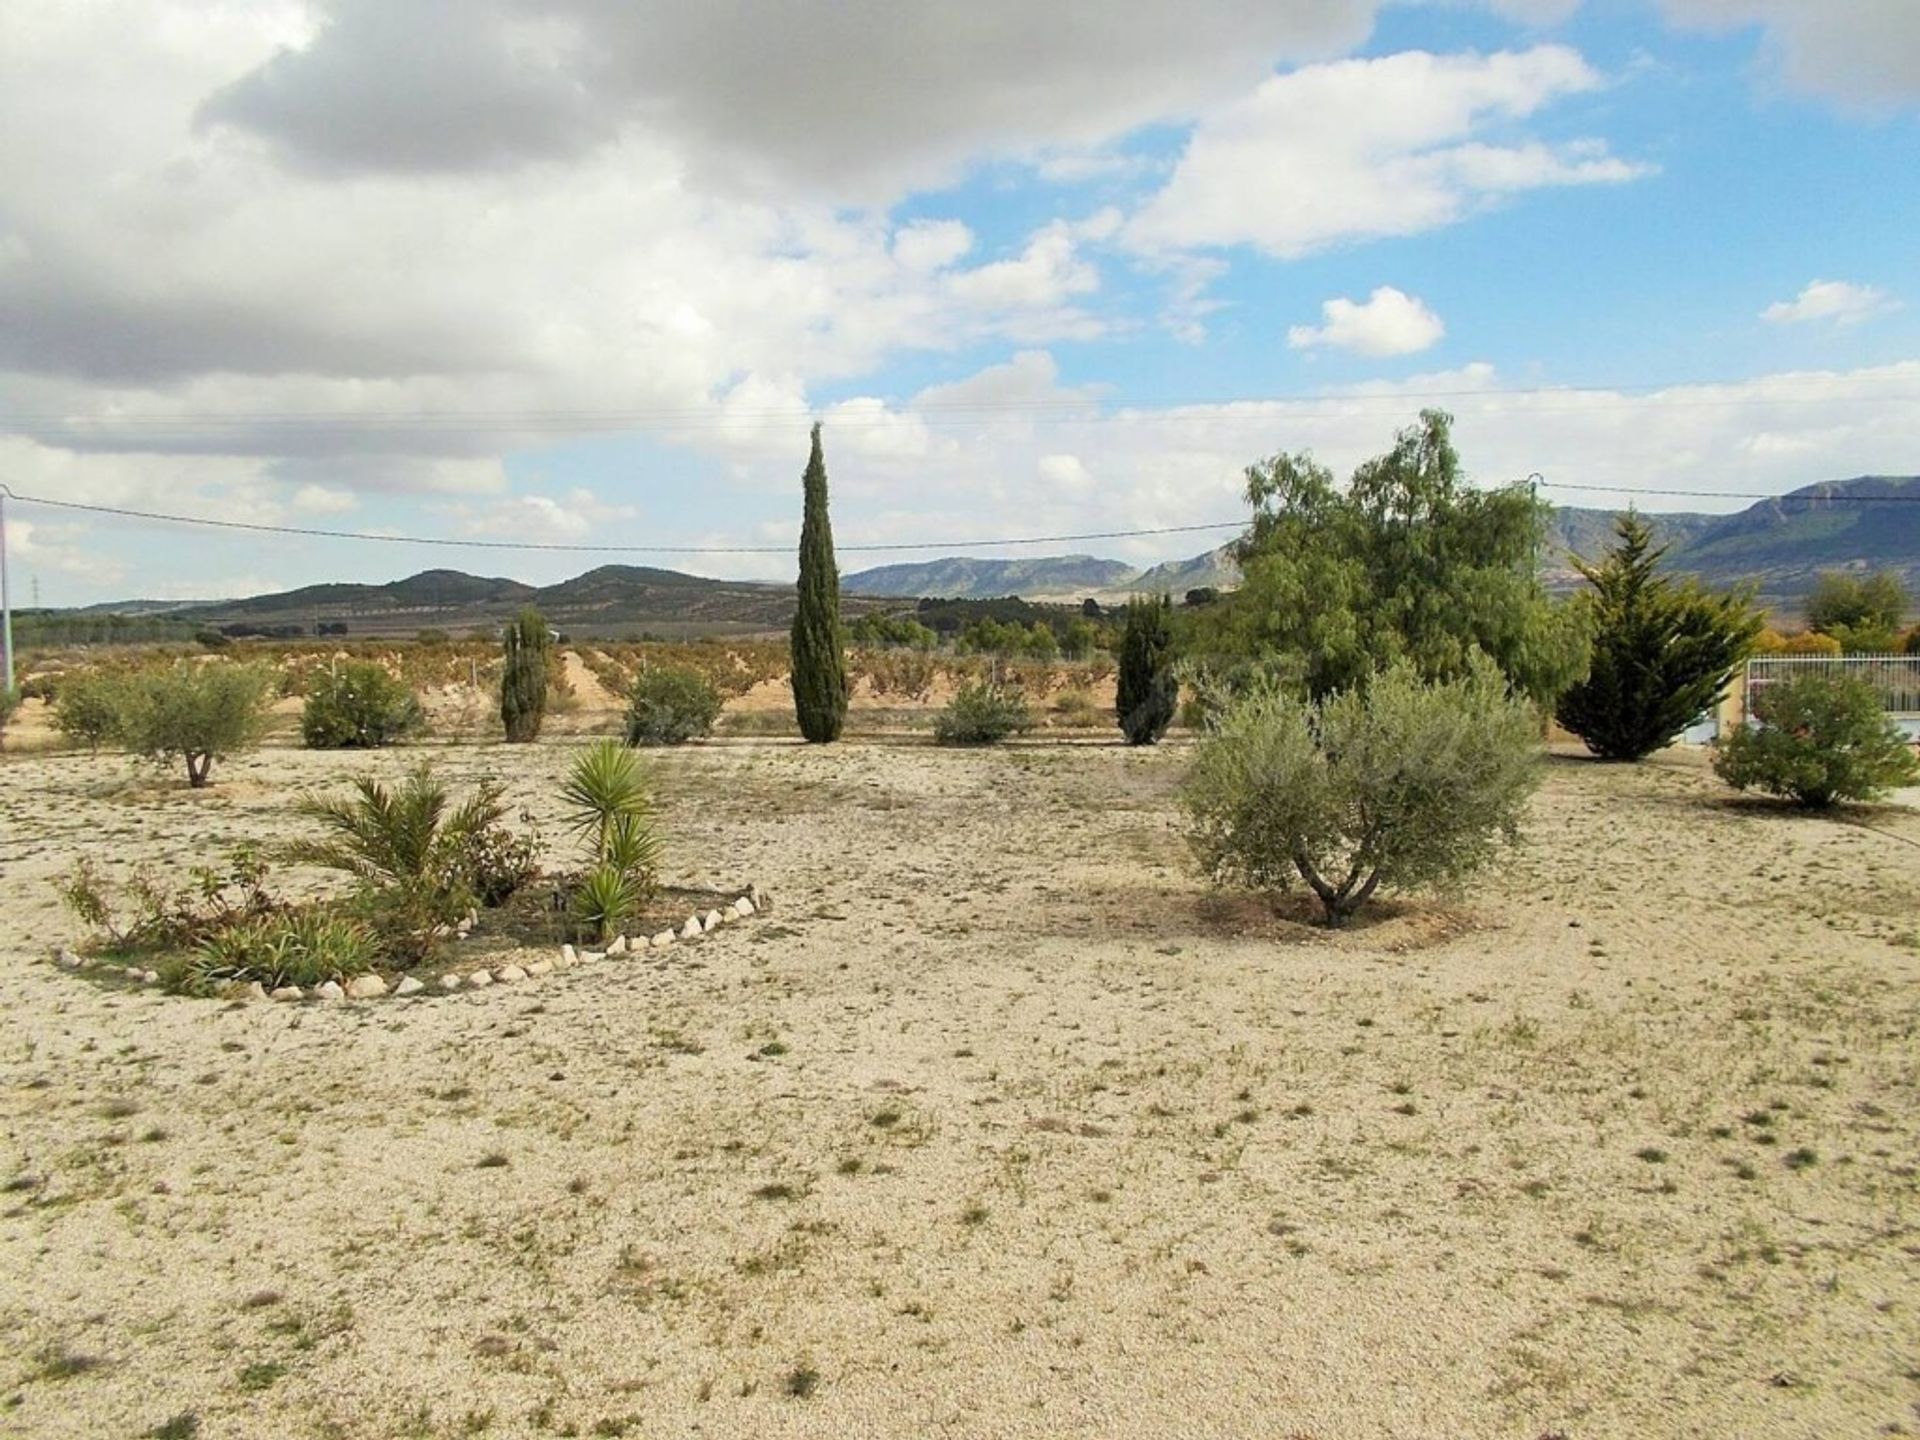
x: 9, y: 703
x: 982, y: 713
x: 86, y: 709
x: 1819, y: 739
x: 671, y: 706
x: 359, y: 706
x: 1401, y: 786
x: 295, y: 947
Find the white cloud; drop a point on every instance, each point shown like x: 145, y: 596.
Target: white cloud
x: 1042, y: 276
x: 928, y: 245
x: 577, y: 517
x: 1838, y: 301
x: 1065, y: 472
x: 1388, y: 322
x: 1366, y: 148
x: 323, y: 500
x: 1862, y: 53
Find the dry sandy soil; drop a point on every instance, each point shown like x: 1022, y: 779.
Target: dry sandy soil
x: 996, y: 1125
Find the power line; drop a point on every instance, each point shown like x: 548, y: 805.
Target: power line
x: 1000, y: 542
x: 1731, y: 494
x: 454, y: 541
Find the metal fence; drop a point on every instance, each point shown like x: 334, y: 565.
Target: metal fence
x: 1895, y: 678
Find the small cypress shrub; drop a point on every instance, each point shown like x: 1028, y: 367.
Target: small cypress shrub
x: 523, y: 683
x: 1820, y: 739
x: 982, y: 714
x: 670, y: 706
x: 1149, y: 691
x: 360, y: 707
x: 820, y: 688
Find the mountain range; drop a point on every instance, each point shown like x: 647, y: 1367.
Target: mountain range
x: 1777, y: 545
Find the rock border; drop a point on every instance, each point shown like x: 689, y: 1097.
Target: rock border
x: 753, y: 901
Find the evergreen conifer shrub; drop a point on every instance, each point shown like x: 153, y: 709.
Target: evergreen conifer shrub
x: 1149, y: 691
x: 523, y: 683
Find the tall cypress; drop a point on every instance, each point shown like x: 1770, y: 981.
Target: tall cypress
x: 1148, y: 691
x: 819, y: 664
x: 523, y: 681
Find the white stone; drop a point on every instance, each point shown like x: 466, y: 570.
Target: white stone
x: 743, y: 907
x: 451, y: 981
x: 662, y: 940
x: 408, y: 986
x: 149, y: 977
x: 592, y: 955
x: 288, y: 992
x: 255, y: 991
x: 536, y: 968
x: 713, y: 921
x: 507, y: 974
x: 569, y: 954
x: 67, y: 959
x: 691, y: 928
x: 479, y: 978
x: 617, y: 946
x: 366, y: 987
x: 329, y: 991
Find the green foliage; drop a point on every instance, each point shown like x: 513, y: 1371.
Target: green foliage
x: 9, y: 706
x: 411, y: 852
x: 294, y: 947
x: 1862, y: 612
x: 820, y: 688
x: 525, y: 679
x: 158, y: 917
x: 1818, y: 739
x: 1401, y: 785
x: 670, y: 706
x: 1080, y: 639
x: 86, y: 709
x: 1213, y: 686
x: 196, y: 713
x: 1407, y: 563
x: 1663, y: 650
x: 874, y: 631
x: 1149, y: 690
x: 360, y: 706
x: 610, y: 806
x: 982, y: 714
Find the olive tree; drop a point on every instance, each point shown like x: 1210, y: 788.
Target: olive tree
x: 194, y: 713
x: 1401, y: 785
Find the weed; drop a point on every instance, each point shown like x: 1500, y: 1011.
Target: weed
x: 261, y: 1374
x: 1800, y: 1159
x: 493, y: 1160
x: 183, y: 1426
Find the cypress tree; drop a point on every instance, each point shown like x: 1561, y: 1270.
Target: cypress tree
x: 1663, y: 651
x: 523, y: 682
x: 819, y: 665
x: 1148, y: 689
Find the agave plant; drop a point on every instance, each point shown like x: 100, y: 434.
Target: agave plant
x: 606, y: 898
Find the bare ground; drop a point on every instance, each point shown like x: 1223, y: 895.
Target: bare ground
x: 997, y: 1125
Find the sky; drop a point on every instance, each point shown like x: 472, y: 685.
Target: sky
x: 584, y: 272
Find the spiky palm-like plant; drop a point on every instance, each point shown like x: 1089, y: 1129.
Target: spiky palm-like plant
x: 610, y: 807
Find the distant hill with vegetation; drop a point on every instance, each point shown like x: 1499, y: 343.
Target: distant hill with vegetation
x: 1778, y: 546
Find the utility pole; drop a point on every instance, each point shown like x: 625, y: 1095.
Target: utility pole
x: 6, y: 602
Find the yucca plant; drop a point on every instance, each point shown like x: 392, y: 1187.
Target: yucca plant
x: 610, y: 806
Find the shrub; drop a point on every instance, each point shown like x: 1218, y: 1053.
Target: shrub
x: 670, y: 706
x: 9, y: 704
x: 1862, y: 612
x: 525, y: 679
x: 1148, y: 692
x: 1818, y: 739
x: 359, y: 706
x: 1912, y: 646
x: 411, y: 854
x: 194, y: 713
x: 1663, y: 650
x: 1796, y: 642
x: 297, y: 947
x: 87, y: 710
x: 1401, y: 786
x: 982, y: 714
x: 212, y: 900
x: 611, y: 808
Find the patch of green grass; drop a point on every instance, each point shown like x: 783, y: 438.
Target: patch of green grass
x: 802, y: 1381
x: 183, y: 1426
x: 884, y: 1119
x: 778, y: 1190
x: 1800, y: 1159
x: 261, y: 1375
x: 1652, y: 1154
x: 493, y: 1160
x: 57, y: 1362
